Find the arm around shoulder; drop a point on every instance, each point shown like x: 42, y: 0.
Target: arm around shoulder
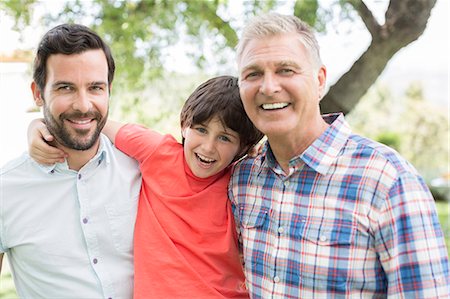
x: 111, y: 128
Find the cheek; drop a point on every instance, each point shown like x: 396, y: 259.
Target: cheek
x: 229, y: 152
x: 102, y: 105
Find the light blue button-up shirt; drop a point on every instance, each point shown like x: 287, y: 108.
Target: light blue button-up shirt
x: 69, y: 234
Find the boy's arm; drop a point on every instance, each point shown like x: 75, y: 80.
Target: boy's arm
x: 111, y: 128
x: 39, y: 144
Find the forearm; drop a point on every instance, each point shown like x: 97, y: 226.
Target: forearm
x: 415, y: 257
x: 111, y: 128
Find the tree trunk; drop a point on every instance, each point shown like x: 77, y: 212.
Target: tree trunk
x: 405, y: 22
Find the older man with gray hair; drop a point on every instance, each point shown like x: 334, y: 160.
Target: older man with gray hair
x: 324, y: 212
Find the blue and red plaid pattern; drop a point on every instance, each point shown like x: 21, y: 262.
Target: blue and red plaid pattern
x: 351, y: 219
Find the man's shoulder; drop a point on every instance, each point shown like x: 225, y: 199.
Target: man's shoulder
x: 376, y: 153
x: 248, y: 163
x: 16, y: 164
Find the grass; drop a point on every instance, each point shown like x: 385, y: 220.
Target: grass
x: 7, y: 290
x: 443, y: 209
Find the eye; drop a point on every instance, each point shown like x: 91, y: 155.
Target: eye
x: 224, y: 138
x: 64, y: 88
x: 97, y: 88
x: 286, y: 71
x: 252, y: 75
x: 200, y: 130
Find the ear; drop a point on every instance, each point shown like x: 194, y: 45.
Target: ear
x: 322, y: 80
x: 183, y: 132
x: 37, y: 95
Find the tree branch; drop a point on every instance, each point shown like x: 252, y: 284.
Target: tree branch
x: 366, y: 16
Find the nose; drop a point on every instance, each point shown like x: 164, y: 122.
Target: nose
x: 209, y: 144
x: 82, y: 103
x: 269, y: 85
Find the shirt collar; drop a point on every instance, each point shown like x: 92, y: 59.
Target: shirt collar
x: 102, y: 155
x: 322, y: 153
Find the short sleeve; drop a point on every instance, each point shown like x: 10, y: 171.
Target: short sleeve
x: 137, y: 141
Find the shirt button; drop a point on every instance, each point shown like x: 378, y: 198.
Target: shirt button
x: 79, y: 176
x: 276, y: 279
x: 52, y: 171
x: 323, y: 238
x: 85, y: 220
x: 286, y: 183
x: 281, y: 229
x: 95, y: 261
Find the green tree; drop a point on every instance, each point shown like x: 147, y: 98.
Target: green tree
x: 409, y: 123
x: 140, y: 31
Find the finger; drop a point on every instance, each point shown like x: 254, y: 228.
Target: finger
x: 45, y: 133
x: 46, y: 160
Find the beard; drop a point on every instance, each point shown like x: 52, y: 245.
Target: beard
x: 76, y: 139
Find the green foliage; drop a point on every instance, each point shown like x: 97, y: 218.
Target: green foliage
x: 443, y: 209
x: 140, y: 32
x: 159, y: 105
x: 391, y: 139
x: 20, y: 10
x: 7, y: 289
x: 307, y: 10
x: 409, y: 123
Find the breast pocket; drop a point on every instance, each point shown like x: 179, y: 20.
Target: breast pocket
x: 251, y: 217
x: 122, y: 217
x: 328, y: 248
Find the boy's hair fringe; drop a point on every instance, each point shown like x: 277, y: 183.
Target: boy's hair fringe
x: 220, y: 97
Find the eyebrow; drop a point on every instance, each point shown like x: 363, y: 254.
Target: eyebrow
x: 98, y: 83
x: 288, y: 63
x: 282, y: 63
x: 251, y: 67
x: 59, y: 83
x: 95, y: 83
x: 233, y: 134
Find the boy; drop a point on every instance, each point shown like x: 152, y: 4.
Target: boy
x: 185, y: 238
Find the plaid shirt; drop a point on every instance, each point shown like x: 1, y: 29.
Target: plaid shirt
x: 351, y: 219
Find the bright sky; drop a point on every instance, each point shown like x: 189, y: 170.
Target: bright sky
x: 426, y: 60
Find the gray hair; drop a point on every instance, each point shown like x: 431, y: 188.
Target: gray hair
x: 273, y: 24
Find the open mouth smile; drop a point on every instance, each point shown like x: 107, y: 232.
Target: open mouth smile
x: 274, y: 106
x: 204, y: 159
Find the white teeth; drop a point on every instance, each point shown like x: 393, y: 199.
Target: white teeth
x: 81, y: 122
x: 205, y: 159
x: 273, y: 106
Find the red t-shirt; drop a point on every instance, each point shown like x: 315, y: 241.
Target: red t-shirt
x: 185, y: 243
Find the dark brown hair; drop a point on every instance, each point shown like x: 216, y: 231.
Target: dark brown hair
x: 68, y: 39
x: 220, y: 97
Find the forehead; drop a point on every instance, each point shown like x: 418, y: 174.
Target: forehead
x: 90, y: 65
x: 217, y: 123
x: 273, y: 49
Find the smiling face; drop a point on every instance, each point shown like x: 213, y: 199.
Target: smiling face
x: 209, y: 148
x: 75, y: 98
x: 279, y: 85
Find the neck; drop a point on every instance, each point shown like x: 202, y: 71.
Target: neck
x: 77, y: 158
x: 285, y: 147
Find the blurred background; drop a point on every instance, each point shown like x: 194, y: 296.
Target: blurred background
x: 387, y: 63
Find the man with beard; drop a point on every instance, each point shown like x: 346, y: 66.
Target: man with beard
x: 68, y: 228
